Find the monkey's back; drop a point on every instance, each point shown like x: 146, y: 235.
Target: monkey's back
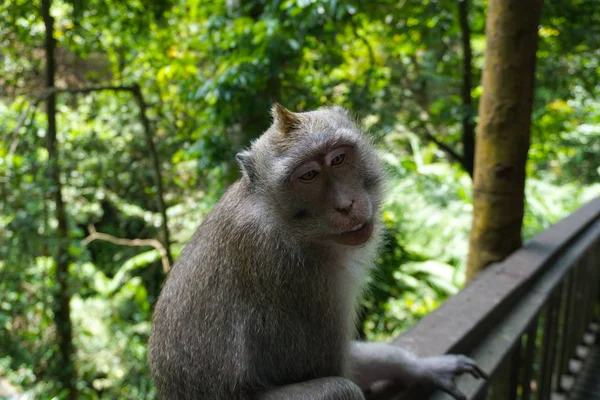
x: 242, y: 311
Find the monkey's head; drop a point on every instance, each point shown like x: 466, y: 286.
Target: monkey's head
x: 318, y: 174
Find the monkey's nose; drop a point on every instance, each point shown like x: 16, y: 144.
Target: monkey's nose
x: 345, y: 208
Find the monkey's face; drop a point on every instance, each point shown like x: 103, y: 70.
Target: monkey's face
x: 329, y: 199
x: 329, y: 188
x: 319, y: 176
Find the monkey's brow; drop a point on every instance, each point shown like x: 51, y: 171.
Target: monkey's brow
x: 316, y: 149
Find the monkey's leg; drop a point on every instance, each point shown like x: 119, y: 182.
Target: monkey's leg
x: 331, y: 388
x: 374, y: 362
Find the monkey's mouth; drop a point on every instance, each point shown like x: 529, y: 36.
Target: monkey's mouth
x: 358, y: 227
x: 358, y: 235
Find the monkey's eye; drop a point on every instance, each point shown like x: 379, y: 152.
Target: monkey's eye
x: 309, y: 176
x: 338, y: 160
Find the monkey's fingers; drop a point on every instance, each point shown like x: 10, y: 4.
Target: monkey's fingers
x: 470, y: 366
x: 449, y: 387
x: 480, y: 372
x: 476, y: 372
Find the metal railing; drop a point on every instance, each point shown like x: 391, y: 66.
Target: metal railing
x: 529, y: 321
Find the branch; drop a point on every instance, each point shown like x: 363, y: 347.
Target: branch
x: 421, y: 100
x: 137, y: 93
x: 95, y: 235
x: 86, y: 90
x: 447, y: 149
x: 429, y: 135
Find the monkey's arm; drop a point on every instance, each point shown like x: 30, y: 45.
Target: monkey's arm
x: 332, y: 388
x: 374, y: 362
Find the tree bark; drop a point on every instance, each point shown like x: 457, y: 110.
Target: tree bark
x: 65, y: 368
x: 468, y: 134
x: 503, y: 131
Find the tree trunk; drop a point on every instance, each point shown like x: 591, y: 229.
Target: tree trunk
x: 62, y: 313
x: 503, y: 131
x: 468, y: 133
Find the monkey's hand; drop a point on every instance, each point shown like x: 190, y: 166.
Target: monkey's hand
x: 439, y: 372
x: 374, y: 363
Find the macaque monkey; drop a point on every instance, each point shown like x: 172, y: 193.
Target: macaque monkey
x: 262, y: 302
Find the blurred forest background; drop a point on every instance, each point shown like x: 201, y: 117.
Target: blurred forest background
x: 153, y: 100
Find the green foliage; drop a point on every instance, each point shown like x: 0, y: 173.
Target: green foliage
x: 427, y: 216
x: 112, y: 337
x: 209, y: 72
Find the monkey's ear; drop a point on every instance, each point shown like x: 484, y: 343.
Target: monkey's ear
x: 246, y: 162
x: 284, y: 119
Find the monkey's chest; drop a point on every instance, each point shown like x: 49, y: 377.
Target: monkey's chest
x: 294, y: 346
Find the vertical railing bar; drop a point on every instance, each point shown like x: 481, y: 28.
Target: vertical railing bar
x: 589, y: 309
x: 581, y: 301
x: 547, y: 351
x: 596, y: 268
x: 573, y: 334
x: 596, y: 261
x: 587, y: 260
x: 553, y: 375
x: 529, y: 350
x: 597, y: 279
x: 564, y: 328
x: 515, y: 368
x: 538, y: 355
x: 594, y: 265
x: 584, y: 299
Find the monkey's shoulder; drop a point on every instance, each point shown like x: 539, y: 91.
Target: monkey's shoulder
x: 233, y: 236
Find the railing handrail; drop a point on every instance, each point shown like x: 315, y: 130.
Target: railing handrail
x: 465, y: 321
